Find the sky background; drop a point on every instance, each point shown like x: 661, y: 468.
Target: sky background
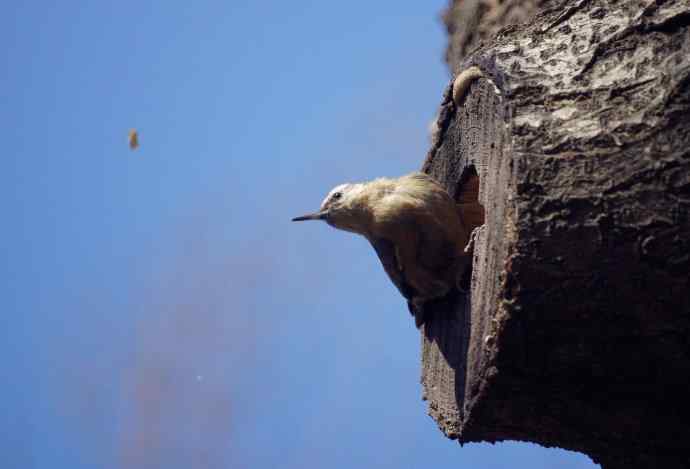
x: 158, y: 308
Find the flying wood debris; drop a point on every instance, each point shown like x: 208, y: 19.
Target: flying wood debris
x: 133, y: 139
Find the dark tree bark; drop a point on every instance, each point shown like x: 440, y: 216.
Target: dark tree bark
x: 576, y: 330
x: 472, y: 22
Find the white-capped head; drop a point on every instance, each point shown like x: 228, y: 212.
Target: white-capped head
x: 338, y: 209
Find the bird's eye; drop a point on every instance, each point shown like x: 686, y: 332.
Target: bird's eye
x: 337, y: 195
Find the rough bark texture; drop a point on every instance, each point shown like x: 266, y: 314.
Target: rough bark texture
x: 576, y: 332
x: 472, y: 22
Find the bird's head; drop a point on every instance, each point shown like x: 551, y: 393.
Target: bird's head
x: 342, y: 208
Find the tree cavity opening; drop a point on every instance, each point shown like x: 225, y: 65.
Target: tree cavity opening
x: 471, y: 213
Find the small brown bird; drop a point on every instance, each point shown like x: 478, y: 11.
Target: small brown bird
x: 415, y: 227
x: 133, y: 139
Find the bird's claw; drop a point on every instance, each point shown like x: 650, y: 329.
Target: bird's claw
x: 473, y: 236
x: 416, y: 308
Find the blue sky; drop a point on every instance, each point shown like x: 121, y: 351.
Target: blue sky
x: 158, y: 307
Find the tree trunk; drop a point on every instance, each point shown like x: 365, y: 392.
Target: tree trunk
x: 472, y: 22
x: 576, y: 329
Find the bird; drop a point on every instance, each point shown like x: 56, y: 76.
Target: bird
x: 416, y: 228
x: 133, y: 138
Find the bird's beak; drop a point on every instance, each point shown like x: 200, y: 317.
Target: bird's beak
x: 312, y: 216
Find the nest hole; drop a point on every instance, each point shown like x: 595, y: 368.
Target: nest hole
x: 471, y: 212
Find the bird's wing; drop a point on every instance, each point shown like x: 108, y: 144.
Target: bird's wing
x: 385, y: 249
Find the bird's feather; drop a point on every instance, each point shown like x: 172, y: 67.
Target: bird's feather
x: 385, y: 250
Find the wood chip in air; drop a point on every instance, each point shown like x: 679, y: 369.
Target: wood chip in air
x: 133, y: 139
